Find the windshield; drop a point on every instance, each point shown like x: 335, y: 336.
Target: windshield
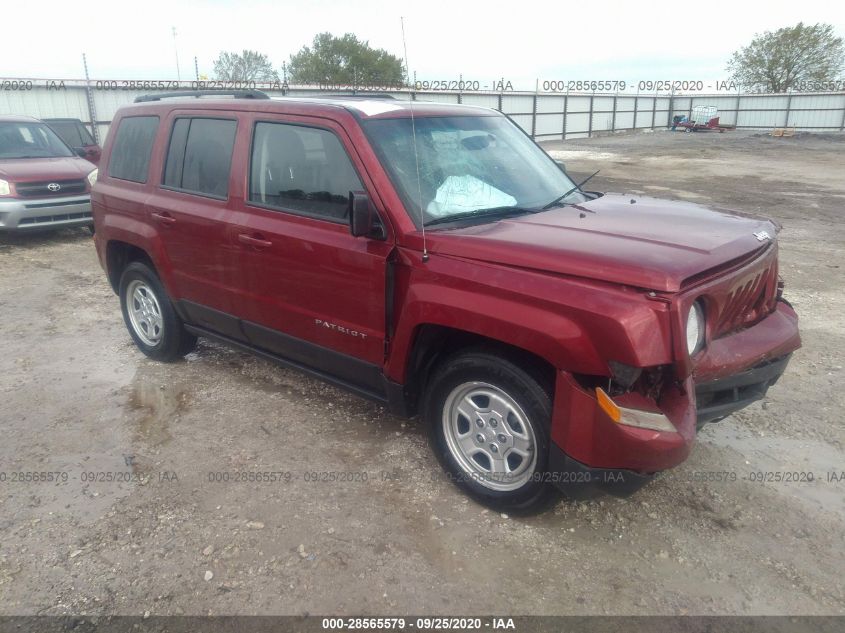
x: 26, y: 139
x: 466, y: 164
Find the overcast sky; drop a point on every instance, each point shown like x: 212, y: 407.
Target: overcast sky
x: 520, y: 40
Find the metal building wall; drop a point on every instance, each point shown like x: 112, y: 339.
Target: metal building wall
x: 542, y: 115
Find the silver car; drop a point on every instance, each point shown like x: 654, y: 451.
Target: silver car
x: 43, y: 183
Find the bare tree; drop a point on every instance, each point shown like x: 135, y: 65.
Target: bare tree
x: 776, y: 61
x: 245, y: 66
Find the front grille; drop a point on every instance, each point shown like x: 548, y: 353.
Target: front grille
x: 748, y: 302
x: 55, y: 203
x: 42, y: 189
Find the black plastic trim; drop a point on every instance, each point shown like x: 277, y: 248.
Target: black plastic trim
x: 398, y: 402
x: 389, y: 297
x: 211, y: 319
x: 238, y: 94
x: 732, y: 393
x: 336, y: 367
x: 364, y: 392
x: 579, y: 481
x: 346, y: 368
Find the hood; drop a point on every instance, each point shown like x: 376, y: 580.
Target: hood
x: 41, y: 169
x: 632, y: 240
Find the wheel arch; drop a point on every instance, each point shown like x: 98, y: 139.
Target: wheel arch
x: 433, y: 343
x: 119, y: 253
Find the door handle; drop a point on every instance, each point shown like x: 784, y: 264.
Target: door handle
x: 257, y: 242
x: 164, y: 217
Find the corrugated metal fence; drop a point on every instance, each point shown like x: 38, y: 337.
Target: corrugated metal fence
x: 543, y: 115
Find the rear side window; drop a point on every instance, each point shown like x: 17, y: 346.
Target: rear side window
x: 301, y: 169
x: 130, y: 154
x: 68, y: 132
x: 200, y: 156
x: 74, y: 133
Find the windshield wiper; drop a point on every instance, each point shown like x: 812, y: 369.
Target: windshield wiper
x: 481, y: 213
x: 557, y: 200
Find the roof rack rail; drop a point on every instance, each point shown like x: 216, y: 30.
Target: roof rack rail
x: 237, y: 94
x: 365, y: 95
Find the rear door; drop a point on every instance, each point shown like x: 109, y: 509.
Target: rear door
x: 191, y: 208
x: 310, y: 290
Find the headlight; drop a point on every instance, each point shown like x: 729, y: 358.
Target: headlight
x: 92, y: 177
x: 5, y: 190
x: 695, y: 328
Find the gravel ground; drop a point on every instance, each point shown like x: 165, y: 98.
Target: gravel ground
x: 77, y: 398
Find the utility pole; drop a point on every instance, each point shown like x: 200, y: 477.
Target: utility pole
x: 89, y: 94
x: 176, y: 51
x: 196, y: 68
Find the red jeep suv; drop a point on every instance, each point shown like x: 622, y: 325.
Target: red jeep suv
x: 432, y: 257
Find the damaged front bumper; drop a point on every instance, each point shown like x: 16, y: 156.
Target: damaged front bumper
x: 719, y: 398
x: 591, y: 453
x: 736, y: 370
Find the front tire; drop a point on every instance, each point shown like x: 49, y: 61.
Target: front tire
x: 149, y: 315
x: 489, y: 423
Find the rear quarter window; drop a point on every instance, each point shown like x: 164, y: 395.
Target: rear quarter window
x: 68, y: 132
x: 133, y: 145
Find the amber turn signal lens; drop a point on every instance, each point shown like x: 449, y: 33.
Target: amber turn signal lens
x: 607, y: 405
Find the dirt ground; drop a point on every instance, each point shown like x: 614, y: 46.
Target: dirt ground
x: 77, y: 398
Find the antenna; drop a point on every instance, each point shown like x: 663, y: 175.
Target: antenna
x: 414, y: 136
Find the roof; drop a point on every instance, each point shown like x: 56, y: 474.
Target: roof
x: 362, y: 108
x: 18, y: 118
x: 393, y: 108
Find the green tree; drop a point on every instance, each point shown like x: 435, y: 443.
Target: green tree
x: 776, y: 61
x: 245, y: 66
x: 344, y: 60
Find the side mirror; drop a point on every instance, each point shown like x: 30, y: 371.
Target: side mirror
x: 561, y: 165
x: 363, y: 220
x: 80, y: 151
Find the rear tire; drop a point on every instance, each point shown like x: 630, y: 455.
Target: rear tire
x: 149, y: 315
x: 489, y: 423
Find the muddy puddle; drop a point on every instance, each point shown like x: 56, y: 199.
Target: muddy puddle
x: 809, y: 471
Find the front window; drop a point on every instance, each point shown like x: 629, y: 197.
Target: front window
x: 301, y: 169
x: 467, y: 165
x: 24, y: 139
